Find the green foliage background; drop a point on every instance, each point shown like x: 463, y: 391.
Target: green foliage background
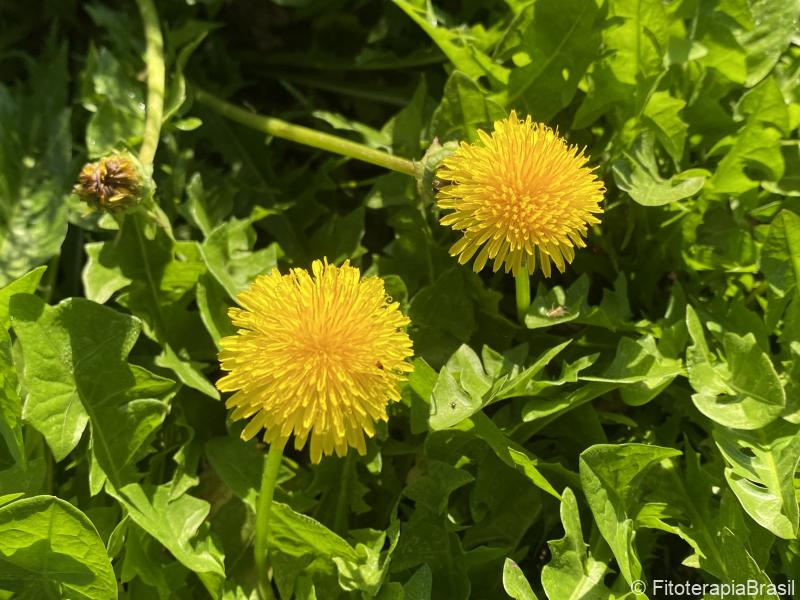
x: 643, y: 424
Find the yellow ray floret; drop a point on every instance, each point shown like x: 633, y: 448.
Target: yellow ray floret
x: 518, y: 193
x: 316, y: 355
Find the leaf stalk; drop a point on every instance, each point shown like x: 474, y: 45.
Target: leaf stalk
x: 306, y: 136
x: 154, y: 60
x: 522, y: 282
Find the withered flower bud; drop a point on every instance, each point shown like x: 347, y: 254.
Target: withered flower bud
x: 112, y: 183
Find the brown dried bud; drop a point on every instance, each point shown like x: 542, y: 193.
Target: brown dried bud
x: 112, y: 183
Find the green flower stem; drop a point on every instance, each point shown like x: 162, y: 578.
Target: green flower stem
x: 265, y: 495
x: 305, y: 135
x: 342, y: 501
x: 522, y: 282
x: 154, y: 59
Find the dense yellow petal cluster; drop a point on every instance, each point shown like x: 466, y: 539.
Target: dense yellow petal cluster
x: 319, y: 355
x: 516, y: 193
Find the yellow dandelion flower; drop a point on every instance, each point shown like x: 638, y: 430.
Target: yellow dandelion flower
x: 519, y: 192
x: 319, y: 356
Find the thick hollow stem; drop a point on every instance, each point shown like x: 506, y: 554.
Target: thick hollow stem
x: 265, y: 495
x: 305, y: 135
x: 522, y: 281
x: 154, y: 60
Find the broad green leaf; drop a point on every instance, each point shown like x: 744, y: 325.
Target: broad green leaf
x: 761, y: 468
x: 464, y: 55
x: 459, y: 390
x: 239, y: 465
x: 213, y: 301
x: 421, y: 381
x: 663, y: 112
x: 723, y: 52
x: 10, y: 404
x: 191, y: 34
x: 772, y: 32
x: 765, y: 104
x: 35, y: 170
x: 26, y: 477
x: 640, y: 369
x: 637, y: 174
x: 573, y: 572
x: 685, y: 504
x: 610, y: 475
x: 557, y: 42
x: 207, y: 205
x: 548, y: 409
x: 432, y: 489
x: 720, y: 241
x: 369, y: 573
x: 75, y: 371
x: 614, y: 310
x: 519, y: 381
x: 638, y: 38
x: 464, y: 109
x: 339, y: 237
x: 514, y: 582
x: 178, y: 524
x: 101, y: 281
x: 789, y: 184
x: 188, y: 372
x: 418, y: 587
x: 426, y: 541
x: 155, y: 276
x: 26, y: 284
x: 465, y: 384
x: 116, y: 99
x: 228, y: 253
x: 442, y: 316
x: 755, y: 147
x: 186, y: 451
x: 6, y: 498
x: 780, y: 254
x: 503, y: 503
x: 296, y: 534
x: 742, y: 390
x: 635, y: 38
x: 146, y: 560
x: 50, y: 549
x: 410, y: 123
x: 556, y: 306
x: 512, y: 454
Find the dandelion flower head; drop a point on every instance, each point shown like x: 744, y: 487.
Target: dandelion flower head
x: 518, y: 193
x: 112, y: 183
x: 319, y: 355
